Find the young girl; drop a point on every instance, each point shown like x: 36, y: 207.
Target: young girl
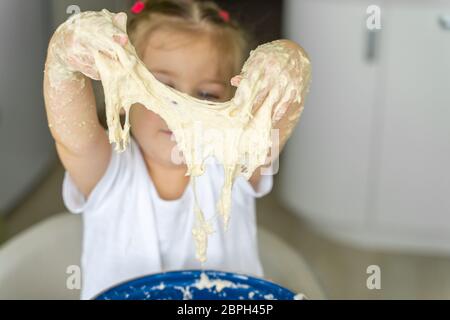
x: 138, y: 205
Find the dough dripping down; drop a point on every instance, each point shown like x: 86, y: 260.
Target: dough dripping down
x: 238, y: 137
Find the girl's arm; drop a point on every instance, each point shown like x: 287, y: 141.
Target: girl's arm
x: 285, y: 127
x: 81, y: 142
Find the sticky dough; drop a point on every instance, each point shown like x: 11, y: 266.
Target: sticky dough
x: 237, y: 136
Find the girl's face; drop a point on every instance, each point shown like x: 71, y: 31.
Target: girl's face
x: 189, y: 63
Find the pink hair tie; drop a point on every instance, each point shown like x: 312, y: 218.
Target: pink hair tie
x: 138, y: 6
x: 225, y: 15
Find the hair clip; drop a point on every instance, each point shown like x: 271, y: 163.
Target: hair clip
x: 225, y: 15
x: 137, y: 7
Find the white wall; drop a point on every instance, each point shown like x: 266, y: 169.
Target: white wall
x: 26, y: 150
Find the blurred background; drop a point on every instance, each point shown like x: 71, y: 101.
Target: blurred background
x: 364, y: 181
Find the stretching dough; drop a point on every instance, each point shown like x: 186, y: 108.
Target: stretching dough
x: 237, y: 136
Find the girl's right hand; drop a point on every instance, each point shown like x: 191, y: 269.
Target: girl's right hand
x: 75, y: 53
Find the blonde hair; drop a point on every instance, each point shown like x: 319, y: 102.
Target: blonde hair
x: 192, y: 16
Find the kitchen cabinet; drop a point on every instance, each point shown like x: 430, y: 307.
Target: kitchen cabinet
x: 368, y: 164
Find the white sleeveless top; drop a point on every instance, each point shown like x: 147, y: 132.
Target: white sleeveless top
x: 129, y: 231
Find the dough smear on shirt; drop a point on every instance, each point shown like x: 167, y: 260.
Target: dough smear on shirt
x: 237, y: 136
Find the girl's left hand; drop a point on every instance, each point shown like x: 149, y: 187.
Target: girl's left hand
x: 280, y: 81
x: 281, y: 73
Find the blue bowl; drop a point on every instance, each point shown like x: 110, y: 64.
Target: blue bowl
x: 188, y: 285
